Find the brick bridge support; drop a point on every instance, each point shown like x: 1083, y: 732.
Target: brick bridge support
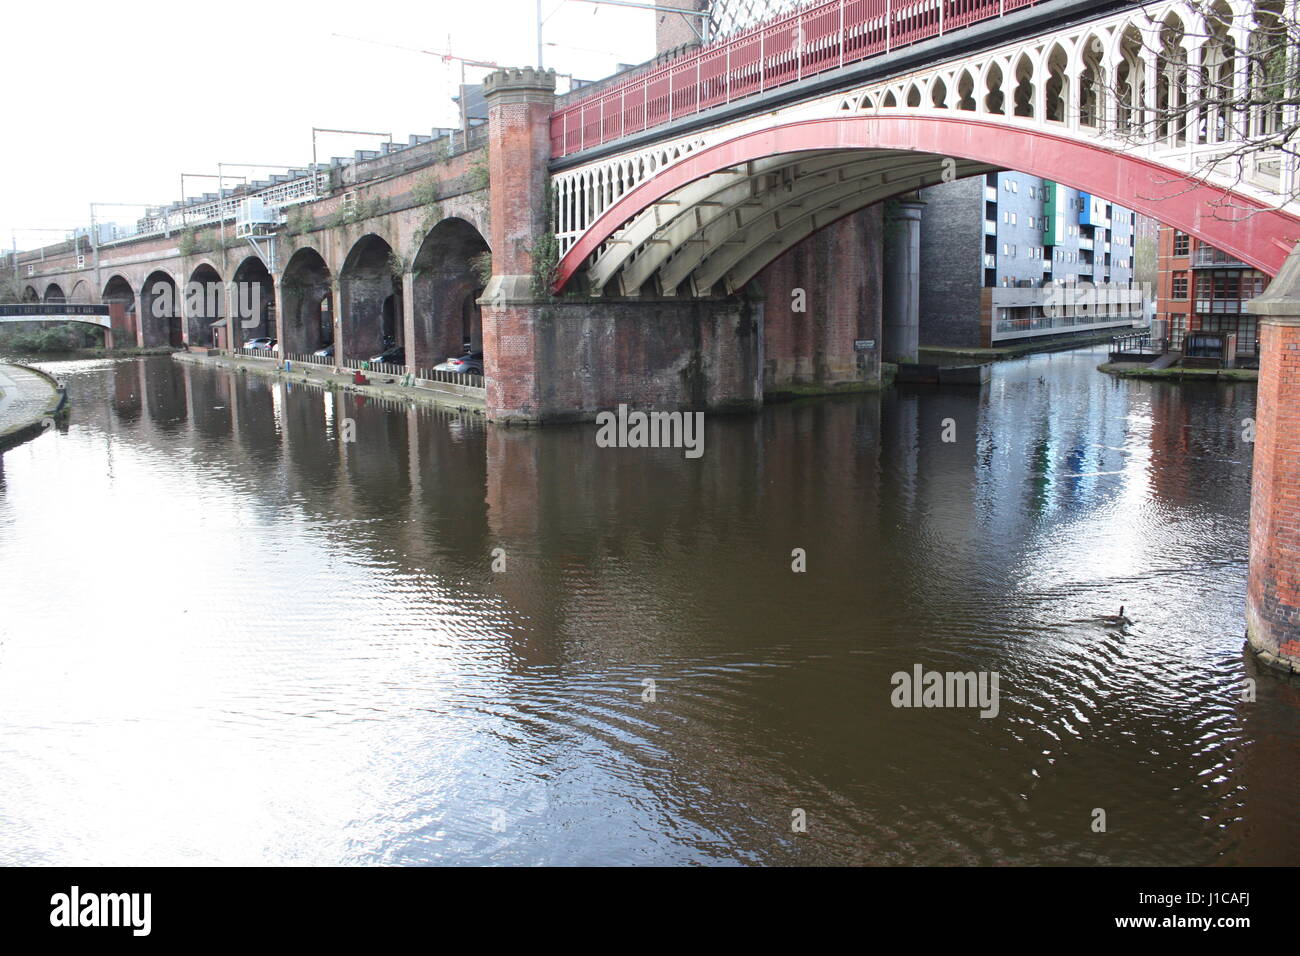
x: 565, y: 359
x: 1273, y: 594
x: 820, y: 298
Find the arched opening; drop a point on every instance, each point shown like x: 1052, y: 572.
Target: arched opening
x: 1171, y: 83
x: 54, y: 293
x: 30, y: 295
x: 1130, y: 87
x: 939, y: 94
x: 446, y: 289
x: 993, y: 95
x: 120, y: 299
x: 1271, y: 69
x: 204, y: 305
x: 80, y: 293
x: 1218, y: 65
x: 252, y: 302
x: 366, y: 284
x: 913, y: 96
x: 1090, y: 84
x: 1056, y: 91
x: 160, y: 302
x: 308, y: 302
x: 966, y: 92
x: 1024, y: 95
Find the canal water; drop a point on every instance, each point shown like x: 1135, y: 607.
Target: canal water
x: 229, y: 636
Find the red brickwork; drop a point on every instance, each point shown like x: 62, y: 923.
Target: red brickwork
x: 1273, y: 597
x: 839, y: 269
x: 567, y: 360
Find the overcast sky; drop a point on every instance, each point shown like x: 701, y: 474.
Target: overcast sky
x: 112, y: 101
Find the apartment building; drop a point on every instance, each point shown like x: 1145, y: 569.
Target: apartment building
x: 992, y: 248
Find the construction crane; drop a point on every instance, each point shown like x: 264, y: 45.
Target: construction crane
x: 446, y: 57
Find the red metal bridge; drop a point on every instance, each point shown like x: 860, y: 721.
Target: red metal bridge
x: 800, y: 44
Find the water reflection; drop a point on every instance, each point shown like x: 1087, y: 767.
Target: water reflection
x: 233, y: 636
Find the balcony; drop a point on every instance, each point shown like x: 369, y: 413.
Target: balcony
x: 1220, y: 306
x: 1207, y: 257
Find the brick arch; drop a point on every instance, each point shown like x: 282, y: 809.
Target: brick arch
x: 251, y: 300
x: 307, y: 301
x: 445, y: 287
x: 160, y: 305
x: 1262, y: 239
x: 370, y: 298
x: 80, y: 292
x: 205, y: 297
x: 53, y: 292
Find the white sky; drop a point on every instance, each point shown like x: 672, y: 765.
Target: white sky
x: 112, y: 101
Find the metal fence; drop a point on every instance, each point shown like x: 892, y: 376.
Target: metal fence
x: 425, y: 376
x: 306, y: 358
x: 817, y: 38
x: 419, y: 378
x: 379, y: 368
x: 258, y: 353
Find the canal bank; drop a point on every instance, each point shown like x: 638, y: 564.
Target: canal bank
x: 444, y: 394
x: 943, y: 355
x: 1175, y: 373
x: 28, y: 399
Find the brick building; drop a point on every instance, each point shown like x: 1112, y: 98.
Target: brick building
x: 1202, y: 289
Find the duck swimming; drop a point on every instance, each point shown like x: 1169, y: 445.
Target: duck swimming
x: 1117, y: 619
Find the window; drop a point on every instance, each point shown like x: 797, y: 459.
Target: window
x: 1225, y: 291
x: 1180, y: 285
x: 1182, y: 243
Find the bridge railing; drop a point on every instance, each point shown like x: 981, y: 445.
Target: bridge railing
x: 817, y: 38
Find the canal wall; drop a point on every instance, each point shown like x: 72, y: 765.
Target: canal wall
x: 29, y: 399
x: 444, y: 394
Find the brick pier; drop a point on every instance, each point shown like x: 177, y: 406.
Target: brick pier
x: 1273, y: 593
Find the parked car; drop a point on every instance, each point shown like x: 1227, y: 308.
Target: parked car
x: 393, y: 355
x: 471, y: 364
x: 326, y: 352
x: 262, y: 342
